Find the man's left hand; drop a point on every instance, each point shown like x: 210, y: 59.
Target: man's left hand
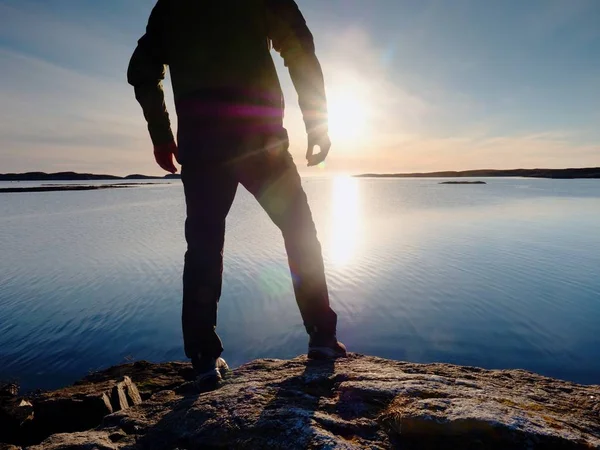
x: 164, y: 156
x: 324, y: 143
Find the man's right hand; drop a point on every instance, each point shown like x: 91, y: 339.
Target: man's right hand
x: 324, y: 143
x: 164, y: 156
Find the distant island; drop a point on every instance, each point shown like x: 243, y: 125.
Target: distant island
x: 463, y: 182
x: 74, y: 176
x: 589, y: 172
x: 69, y: 187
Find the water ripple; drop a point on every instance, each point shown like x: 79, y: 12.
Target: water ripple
x: 501, y: 276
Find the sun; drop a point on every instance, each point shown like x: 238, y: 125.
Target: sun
x: 348, y: 114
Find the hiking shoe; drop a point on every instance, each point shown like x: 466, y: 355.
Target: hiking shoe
x: 325, y: 347
x: 209, y: 370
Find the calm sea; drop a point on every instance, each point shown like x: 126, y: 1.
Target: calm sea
x: 503, y: 275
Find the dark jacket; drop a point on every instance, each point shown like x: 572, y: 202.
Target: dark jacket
x: 218, y: 52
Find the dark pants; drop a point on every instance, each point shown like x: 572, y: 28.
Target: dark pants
x: 210, y: 184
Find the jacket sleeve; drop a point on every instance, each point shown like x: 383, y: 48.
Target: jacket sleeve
x: 293, y: 40
x: 147, y: 71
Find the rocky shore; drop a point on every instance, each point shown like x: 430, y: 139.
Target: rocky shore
x: 352, y: 403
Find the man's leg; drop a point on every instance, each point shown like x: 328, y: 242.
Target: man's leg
x: 209, y: 193
x: 271, y: 176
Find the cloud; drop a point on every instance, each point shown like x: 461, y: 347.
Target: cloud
x: 351, y: 57
x: 354, y: 65
x: 463, y: 152
x: 80, y: 42
x: 433, y: 104
x: 65, y: 98
x: 60, y: 114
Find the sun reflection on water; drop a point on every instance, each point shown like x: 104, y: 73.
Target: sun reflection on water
x: 345, y: 220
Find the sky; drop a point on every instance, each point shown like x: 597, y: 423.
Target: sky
x: 414, y: 85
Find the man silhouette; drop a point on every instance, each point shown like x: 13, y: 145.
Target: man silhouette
x: 230, y: 131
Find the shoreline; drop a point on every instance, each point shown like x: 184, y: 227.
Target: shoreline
x: 72, y: 187
x: 567, y: 173
x: 561, y: 174
x: 75, y: 176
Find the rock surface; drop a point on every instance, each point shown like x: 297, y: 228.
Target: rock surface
x: 75, y: 408
x: 357, y: 402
